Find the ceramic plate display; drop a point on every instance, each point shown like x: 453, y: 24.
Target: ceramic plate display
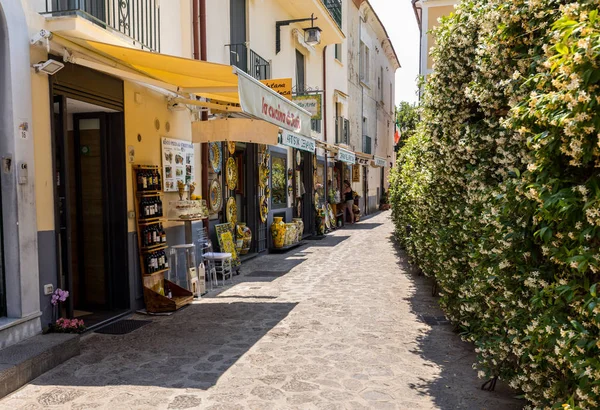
x: 232, y: 173
x: 330, y: 212
x: 215, y: 156
x: 231, y: 147
x: 327, y: 221
x: 267, y: 192
x: 215, y: 195
x: 231, y: 211
x: 264, y: 208
x: 298, y: 157
x: 263, y: 176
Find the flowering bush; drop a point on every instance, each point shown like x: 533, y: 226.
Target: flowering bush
x: 500, y: 185
x: 63, y: 325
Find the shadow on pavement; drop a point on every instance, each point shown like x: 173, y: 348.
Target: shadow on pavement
x: 282, y: 268
x: 190, y: 349
x: 360, y: 225
x: 329, y: 241
x: 457, y: 386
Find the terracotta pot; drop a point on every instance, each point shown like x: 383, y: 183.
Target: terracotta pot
x: 278, y: 232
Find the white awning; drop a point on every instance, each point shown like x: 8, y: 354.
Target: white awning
x: 379, y: 162
x: 346, y: 156
x: 235, y: 129
x: 291, y: 139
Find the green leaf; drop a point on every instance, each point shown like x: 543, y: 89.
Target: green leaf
x: 593, y: 16
x: 562, y: 48
x: 593, y: 289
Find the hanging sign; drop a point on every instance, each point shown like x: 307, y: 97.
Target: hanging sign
x: 311, y: 103
x: 346, y: 156
x: 291, y: 139
x: 263, y: 103
x: 282, y: 86
x: 178, y: 163
x: 379, y: 162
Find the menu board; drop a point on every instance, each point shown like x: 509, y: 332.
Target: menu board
x: 178, y: 163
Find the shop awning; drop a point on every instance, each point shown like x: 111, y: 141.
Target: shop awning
x: 294, y: 140
x: 219, y: 83
x: 235, y: 129
x: 362, y: 158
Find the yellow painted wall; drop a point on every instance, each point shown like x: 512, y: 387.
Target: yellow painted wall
x: 44, y: 178
x: 139, y: 119
x: 434, y: 13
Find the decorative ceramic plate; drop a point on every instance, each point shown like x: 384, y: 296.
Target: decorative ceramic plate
x: 231, y: 147
x: 298, y: 157
x: 215, y: 195
x: 327, y: 221
x: 330, y: 212
x: 263, y: 176
x: 231, y: 211
x: 264, y: 208
x: 232, y: 173
x: 215, y: 155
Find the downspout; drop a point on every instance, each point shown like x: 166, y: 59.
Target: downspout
x: 199, y: 33
x: 325, y: 181
x: 196, y: 28
x: 362, y: 117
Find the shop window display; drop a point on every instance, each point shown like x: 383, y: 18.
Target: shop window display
x: 278, y: 181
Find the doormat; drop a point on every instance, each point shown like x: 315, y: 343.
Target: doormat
x: 122, y: 327
x: 266, y: 274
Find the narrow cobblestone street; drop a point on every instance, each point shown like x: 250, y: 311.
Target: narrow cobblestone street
x: 338, y: 323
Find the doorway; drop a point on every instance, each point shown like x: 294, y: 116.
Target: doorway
x: 89, y: 161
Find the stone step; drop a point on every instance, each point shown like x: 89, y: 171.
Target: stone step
x: 24, y: 361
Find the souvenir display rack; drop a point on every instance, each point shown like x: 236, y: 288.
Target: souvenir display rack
x: 152, y: 243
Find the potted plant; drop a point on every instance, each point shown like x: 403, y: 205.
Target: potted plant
x: 63, y: 325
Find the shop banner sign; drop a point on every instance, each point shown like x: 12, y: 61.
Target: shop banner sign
x: 263, y: 103
x: 311, y: 103
x: 380, y: 162
x: 291, y: 139
x: 346, y: 156
x: 178, y: 163
x: 282, y: 86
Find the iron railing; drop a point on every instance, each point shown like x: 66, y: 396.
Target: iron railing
x: 249, y: 61
x: 342, y: 131
x: 137, y: 19
x: 367, y: 144
x: 335, y: 9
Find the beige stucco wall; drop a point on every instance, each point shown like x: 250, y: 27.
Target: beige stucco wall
x: 433, y: 14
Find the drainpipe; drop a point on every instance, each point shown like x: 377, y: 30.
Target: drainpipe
x: 196, y: 28
x: 325, y: 184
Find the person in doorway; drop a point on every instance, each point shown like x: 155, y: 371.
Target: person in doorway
x: 348, y: 201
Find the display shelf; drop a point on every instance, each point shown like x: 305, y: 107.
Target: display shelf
x: 156, y: 273
x: 153, y: 248
x: 155, y: 282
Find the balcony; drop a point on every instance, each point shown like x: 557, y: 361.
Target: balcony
x: 247, y: 60
x: 136, y: 19
x: 335, y: 9
x: 342, y: 131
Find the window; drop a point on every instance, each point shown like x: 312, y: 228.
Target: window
x: 300, y: 76
x: 278, y: 180
x: 315, y: 125
x: 364, y: 63
x: 338, y: 52
x: 380, y: 84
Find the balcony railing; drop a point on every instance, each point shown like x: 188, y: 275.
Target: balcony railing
x: 342, y: 131
x: 137, y: 19
x: 367, y: 145
x: 247, y: 60
x: 335, y: 9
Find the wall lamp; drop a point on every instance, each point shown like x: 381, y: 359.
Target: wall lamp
x: 312, y: 35
x: 49, y: 67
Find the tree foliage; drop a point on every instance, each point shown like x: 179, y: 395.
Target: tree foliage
x: 501, y: 186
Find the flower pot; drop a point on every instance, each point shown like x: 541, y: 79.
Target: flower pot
x: 290, y: 233
x: 278, y: 232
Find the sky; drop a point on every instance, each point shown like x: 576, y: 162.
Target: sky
x: 401, y: 25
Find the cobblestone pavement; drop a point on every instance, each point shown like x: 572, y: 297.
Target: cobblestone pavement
x: 340, y: 323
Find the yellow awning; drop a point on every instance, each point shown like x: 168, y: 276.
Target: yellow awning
x: 220, y: 83
x: 235, y: 129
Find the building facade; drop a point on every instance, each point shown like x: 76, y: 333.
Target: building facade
x: 83, y: 103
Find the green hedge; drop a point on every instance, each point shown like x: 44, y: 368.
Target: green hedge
x: 501, y: 187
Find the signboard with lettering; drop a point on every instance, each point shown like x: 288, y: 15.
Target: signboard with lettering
x: 311, y: 103
x: 346, y: 156
x: 282, y: 86
x: 291, y: 139
x: 261, y: 102
x: 379, y: 162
